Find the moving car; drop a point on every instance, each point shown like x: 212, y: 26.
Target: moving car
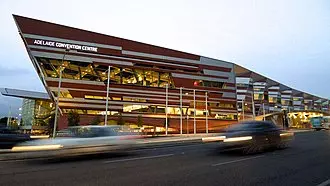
x: 320, y: 122
x: 80, y: 140
x: 10, y: 137
x: 255, y: 136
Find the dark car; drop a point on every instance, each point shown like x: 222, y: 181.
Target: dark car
x: 255, y: 136
x: 10, y: 137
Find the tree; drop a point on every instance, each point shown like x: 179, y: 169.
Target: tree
x: 96, y: 120
x: 139, y: 121
x: 4, y: 120
x: 73, y: 118
x: 120, y: 120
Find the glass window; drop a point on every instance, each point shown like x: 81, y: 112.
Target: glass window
x: 272, y: 99
x: 96, y: 72
x: 210, y: 84
x: 226, y: 105
x: 258, y: 96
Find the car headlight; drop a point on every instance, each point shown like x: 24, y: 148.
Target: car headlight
x: 243, y: 138
x: 214, y: 138
x: 286, y: 134
x: 36, y: 148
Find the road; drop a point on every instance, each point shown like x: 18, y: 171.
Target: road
x: 306, y: 162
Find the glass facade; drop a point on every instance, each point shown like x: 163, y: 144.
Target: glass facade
x: 36, y: 112
x: 28, y: 112
x: 94, y: 72
x: 130, y: 76
x: 43, y: 112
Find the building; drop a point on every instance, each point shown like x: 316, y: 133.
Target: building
x: 37, y: 109
x: 138, y: 76
x: 214, y: 93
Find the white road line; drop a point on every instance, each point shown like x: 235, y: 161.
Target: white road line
x: 239, y: 160
x: 140, y: 158
x: 327, y: 182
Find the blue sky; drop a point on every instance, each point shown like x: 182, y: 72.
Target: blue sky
x: 288, y: 41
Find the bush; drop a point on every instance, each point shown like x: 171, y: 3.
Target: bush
x: 73, y: 118
x: 120, y: 120
x: 96, y: 120
x: 139, y: 121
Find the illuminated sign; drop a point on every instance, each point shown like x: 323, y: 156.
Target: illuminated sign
x: 64, y: 45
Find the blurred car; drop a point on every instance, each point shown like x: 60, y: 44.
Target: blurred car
x: 10, y: 137
x: 80, y: 140
x: 320, y: 122
x: 255, y: 136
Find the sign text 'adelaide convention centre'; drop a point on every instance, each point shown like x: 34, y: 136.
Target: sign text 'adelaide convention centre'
x: 64, y: 45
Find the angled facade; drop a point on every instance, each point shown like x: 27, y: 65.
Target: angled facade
x: 139, y: 74
x: 214, y: 93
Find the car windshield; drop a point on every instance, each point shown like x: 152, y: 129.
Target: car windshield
x: 252, y: 125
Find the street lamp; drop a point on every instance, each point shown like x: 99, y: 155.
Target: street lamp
x: 194, y: 95
x: 166, y: 105
x: 206, y: 115
x: 263, y: 111
x: 194, y: 111
x: 243, y: 109
x: 107, y: 98
x: 187, y: 94
x: 58, y: 94
x: 181, y: 110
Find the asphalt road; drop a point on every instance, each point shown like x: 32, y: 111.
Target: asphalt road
x: 306, y: 162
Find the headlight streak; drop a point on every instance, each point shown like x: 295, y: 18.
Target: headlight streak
x: 234, y: 139
x: 36, y: 148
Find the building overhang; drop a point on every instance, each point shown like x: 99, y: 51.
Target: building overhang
x: 25, y: 94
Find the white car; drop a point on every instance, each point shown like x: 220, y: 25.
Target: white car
x: 80, y: 140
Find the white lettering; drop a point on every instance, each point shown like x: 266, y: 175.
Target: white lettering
x: 64, y: 45
x: 37, y: 42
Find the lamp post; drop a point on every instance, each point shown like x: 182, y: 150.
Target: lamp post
x: 206, y: 115
x: 263, y: 111
x: 107, y: 98
x: 58, y: 94
x: 19, y: 116
x: 243, y: 109
x: 9, y: 116
x: 194, y: 111
x: 253, y: 109
x: 181, y: 110
x: 187, y: 124
x: 166, y: 104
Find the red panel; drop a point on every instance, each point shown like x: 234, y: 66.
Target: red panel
x: 182, y: 82
x: 28, y: 26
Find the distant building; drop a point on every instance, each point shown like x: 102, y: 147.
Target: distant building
x: 37, y: 108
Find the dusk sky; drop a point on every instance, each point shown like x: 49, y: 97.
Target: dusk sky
x: 288, y: 41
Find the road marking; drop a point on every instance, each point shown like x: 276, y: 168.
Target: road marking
x: 140, y: 158
x: 239, y: 160
x: 327, y: 182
